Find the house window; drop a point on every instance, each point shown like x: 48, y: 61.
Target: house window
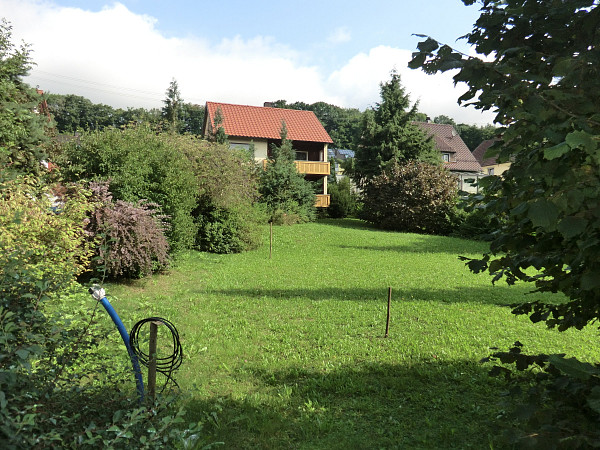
x: 491, y: 171
x: 446, y: 157
x: 301, y: 156
x: 239, y: 145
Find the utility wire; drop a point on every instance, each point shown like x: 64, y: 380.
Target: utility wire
x: 66, y: 80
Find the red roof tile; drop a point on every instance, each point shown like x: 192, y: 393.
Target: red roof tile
x: 265, y: 123
x: 479, y: 153
x: 447, y: 140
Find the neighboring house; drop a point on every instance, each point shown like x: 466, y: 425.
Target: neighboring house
x: 490, y: 165
x: 339, y: 155
x: 261, y: 127
x: 454, y: 152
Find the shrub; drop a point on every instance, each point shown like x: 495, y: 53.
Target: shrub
x: 133, y: 242
x: 415, y: 197
x: 343, y: 201
x: 231, y: 230
x: 56, y: 388
x: 36, y: 240
x: 225, y: 214
x: 141, y: 165
x: 475, y: 223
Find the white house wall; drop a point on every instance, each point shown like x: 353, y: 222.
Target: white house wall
x: 260, y: 146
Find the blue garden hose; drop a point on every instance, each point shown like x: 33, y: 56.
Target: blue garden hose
x: 99, y: 294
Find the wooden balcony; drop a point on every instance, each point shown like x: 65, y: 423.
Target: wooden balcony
x: 313, y: 167
x: 308, y: 167
x: 322, y: 201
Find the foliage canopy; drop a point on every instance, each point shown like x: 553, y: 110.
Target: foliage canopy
x: 542, y: 79
x: 414, y: 197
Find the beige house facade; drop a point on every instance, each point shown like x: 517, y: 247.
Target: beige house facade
x: 260, y: 127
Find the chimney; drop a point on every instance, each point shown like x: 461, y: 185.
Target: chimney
x: 268, y: 104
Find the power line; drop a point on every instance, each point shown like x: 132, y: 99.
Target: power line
x: 99, y: 87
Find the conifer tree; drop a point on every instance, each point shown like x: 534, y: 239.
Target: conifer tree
x: 219, y: 136
x: 389, y: 134
x: 22, y: 125
x: 173, y: 108
x: 282, y: 188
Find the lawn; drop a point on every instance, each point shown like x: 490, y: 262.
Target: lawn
x: 289, y: 352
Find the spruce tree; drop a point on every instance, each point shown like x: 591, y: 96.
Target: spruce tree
x: 172, y: 111
x: 22, y: 124
x: 285, y: 191
x: 389, y: 134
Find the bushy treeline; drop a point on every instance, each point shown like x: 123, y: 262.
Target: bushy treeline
x: 205, y: 192
x: 75, y: 113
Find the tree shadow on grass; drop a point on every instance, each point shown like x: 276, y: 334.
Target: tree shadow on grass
x: 427, y: 244
x: 420, y: 405
x: 493, y: 295
x: 355, y: 224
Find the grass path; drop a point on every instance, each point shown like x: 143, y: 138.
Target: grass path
x: 289, y: 352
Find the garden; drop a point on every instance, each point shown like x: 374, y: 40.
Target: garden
x: 289, y: 352
x: 393, y: 331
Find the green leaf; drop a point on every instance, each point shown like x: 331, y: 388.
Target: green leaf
x: 572, y: 226
x: 428, y: 45
x: 572, y: 367
x: 417, y: 61
x: 23, y: 354
x: 520, y: 209
x: 581, y: 139
x: 557, y: 151
x: 543, y: 214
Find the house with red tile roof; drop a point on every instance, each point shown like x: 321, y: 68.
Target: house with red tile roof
x: 261, y: 126
x: 454, y: 152
x: 489, y: 164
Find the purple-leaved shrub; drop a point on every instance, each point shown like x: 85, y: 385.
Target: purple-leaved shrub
x: 133, y: 242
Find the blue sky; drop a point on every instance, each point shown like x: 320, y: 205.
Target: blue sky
x: 126, y: 53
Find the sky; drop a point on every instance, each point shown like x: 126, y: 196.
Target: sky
x: 125, y: 53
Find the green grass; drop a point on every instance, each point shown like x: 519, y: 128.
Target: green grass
x: 289, y: 352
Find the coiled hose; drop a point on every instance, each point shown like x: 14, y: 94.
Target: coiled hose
x: 165, y: 365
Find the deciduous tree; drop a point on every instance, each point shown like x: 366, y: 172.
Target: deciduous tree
x: 542, y: 77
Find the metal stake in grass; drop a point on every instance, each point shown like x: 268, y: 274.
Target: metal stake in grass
x: 387, y: 323
x: 271, y: 239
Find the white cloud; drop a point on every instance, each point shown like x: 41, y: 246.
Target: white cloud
x: 117, y: 57
x: 339, y: 36
x: 358, y: 83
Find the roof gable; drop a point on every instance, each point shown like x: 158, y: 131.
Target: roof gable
x: 480, y: 151
x: 447, y: 140
x: 265, y: 123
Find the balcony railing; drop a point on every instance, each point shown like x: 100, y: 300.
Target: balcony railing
x: 308, y: 167
x: 313, y: 167
x: 322, y: 201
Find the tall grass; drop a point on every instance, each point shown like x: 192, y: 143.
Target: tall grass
x: 289, y: 352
